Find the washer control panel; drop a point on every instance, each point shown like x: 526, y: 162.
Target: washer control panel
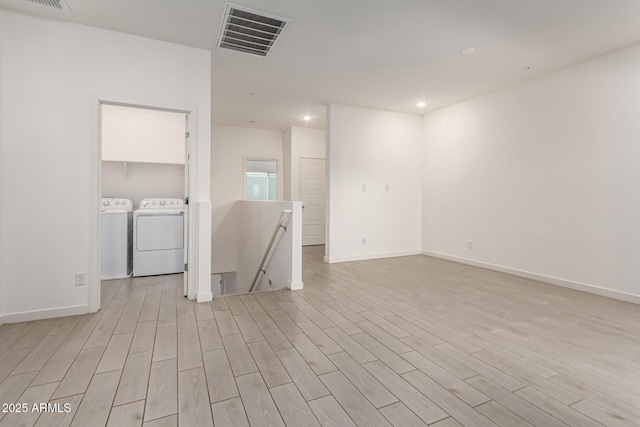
x: 161, y: 204
x: 110, y: 204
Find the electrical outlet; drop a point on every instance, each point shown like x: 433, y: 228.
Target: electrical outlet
x: 364, y: 240
x: 81, y: 279
x: 364, y: 187
x: 470, y: 244
x: 388, y: 188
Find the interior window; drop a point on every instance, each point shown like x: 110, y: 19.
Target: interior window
x: 261, y: 179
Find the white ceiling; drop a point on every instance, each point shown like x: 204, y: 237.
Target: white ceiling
x: 372, y: 53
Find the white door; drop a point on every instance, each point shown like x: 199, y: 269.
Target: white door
x: 312, y: 188
x: 186, y: 207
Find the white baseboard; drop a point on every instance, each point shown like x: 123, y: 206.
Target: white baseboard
x: 370, y: 256
x: 610, y: 293
x: 117, y: 277
x: 44, y: 314
x: 295, y: 286
x: 204, y: 297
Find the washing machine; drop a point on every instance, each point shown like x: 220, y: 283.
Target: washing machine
x: 116, y: 242
x: 158, y: 237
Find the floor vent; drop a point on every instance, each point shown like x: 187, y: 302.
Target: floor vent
x: 56, y: 4
x: 250, y: 31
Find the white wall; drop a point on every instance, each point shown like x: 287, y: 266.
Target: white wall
x: 256, y: 222
x: 2, y: 166
x: 542, y: 177
x: 373, y: 148
x: 229, y: 147
x: 305, y: 142
x: 53, y: 75
x: 286, y: 163
x: 142, y: 181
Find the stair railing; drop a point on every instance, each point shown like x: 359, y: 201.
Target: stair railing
x: 283, y: 221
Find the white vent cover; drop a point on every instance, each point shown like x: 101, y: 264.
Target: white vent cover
x: 250, y: 31
x: 56, y: 4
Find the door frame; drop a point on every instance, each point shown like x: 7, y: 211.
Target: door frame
x: 95, y: 190
x: 187, y: 198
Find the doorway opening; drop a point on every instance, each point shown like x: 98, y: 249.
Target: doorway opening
x: 144, y: 183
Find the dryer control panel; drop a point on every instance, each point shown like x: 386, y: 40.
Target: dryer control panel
x: 161, y: 204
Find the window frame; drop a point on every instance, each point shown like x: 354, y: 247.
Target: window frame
x: 244, y: 175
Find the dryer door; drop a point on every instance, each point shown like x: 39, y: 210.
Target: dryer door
x: 158, y: 232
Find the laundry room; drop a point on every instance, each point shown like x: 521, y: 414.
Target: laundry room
x: 142, y: 153
x: 142, y: 172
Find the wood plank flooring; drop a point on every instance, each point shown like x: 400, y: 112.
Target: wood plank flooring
x: 411, y: 341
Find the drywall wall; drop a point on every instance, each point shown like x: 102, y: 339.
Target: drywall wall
x: 256, y: 222
x: 374, y: 184
x: 2, y: 166
x: 230, y: 146
x: 286, y: 163
x: 542, y: 177
x: 142, y: 135
x: 305, y: 142
x: 54, y: 73
x: 142, y: 181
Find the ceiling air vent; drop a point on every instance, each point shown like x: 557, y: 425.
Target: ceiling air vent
x: 250, y: 31
x: 56, y: 4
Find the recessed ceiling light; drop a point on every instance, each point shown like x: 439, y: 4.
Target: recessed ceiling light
x: 467, y: 51
x: 421, y: 104
x: 306, y: 118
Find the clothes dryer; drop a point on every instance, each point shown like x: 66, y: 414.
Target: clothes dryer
x: 158, y: 237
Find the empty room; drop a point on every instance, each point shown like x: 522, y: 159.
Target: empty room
x: 336, y: 213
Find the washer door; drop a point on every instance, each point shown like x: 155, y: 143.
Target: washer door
x: 159, y: 232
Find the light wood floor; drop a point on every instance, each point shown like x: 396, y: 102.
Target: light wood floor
x: 409, y: 341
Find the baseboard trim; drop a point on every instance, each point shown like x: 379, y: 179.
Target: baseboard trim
x: 610, y: 293
x: 204, y: 297
x: 117, y: 277
x: 370, y: 256
x: 44, y: 314
x: 295, y: 286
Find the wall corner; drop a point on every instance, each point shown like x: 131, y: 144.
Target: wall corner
x: 294, y: 286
